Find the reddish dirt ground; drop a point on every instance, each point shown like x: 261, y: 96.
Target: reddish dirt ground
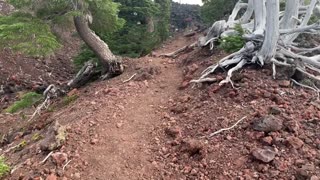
x: 157, y: 126
x: 20, y: 72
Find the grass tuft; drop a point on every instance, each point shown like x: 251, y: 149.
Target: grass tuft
x: 4, y: 168
x: 27, y: 100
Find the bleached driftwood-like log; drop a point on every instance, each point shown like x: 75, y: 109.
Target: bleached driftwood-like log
x: 269, y: 40
x: 176, y: 53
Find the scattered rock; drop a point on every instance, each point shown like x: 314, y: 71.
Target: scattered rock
x: 302, y: 174
x: 314, y: 178
x: 292, y: 126
x: 119, y: 125
x: 192, y: 147
x: 59, y: 158
x: 54, y: 138
x: 77, y: 175
x: 174, y: 132
x: 295, y: 142
x: 267, y: 124
x: 178, y: 109
x: 274, y: 110
x: 51, y: 177
x: 308, y: 167
x: 184, y: 85
x: 94, y: 141
x: 265, y: 155
x: 268, y: 140
x: 284, y: 83
x: 192, y: 68
x: 274, y: 173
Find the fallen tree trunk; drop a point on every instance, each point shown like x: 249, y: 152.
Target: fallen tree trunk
x: 176, y: 53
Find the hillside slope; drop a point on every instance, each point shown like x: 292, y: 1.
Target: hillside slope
x: 156, y: 126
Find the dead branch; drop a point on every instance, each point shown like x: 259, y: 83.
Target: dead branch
x: 49, y: 93
x: 130, y: 78
x: 66, y: 165
x: 46, y: 158
x: 189, y: 34
x: 226, y: 129
x: 179, y: 51
x: 308, y: 87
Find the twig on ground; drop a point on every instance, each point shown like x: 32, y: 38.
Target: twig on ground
x: 49, y: 93
x: 66, y: 165
x: 46, y: 158
x: 308, y: 87
x: 16, y: 168
x: 226, y: 129
x: 43, y: 105
x: 130, y: 78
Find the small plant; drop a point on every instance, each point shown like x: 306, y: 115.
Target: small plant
x: 27, y: 100
x: 69, y: 99
x: 233, y: 43
x: 36, y: 137
x: 21, y: 145
x: 4, y: 168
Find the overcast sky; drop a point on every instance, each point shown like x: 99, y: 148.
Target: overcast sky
x: 189, y: 1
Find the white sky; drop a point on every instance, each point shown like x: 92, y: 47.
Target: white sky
x: 189, y: 1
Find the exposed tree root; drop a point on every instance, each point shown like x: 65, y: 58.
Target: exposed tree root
x: 269, y: 41
x: 51, y: 92
x: 317, y: 90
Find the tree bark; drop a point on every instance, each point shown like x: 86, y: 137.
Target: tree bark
x: 271, y: 29
x: 111, y: 65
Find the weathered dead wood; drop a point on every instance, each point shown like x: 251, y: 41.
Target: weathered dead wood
x: 180, y: 51
x: 226, y: 129
x: 269, y: 41
x: 190, y: 34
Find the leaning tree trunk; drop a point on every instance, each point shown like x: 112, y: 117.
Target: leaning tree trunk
x: 268, y: 40
x: 111, y: 65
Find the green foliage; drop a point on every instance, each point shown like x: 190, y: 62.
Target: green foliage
x: 105, y: 16
x: 27, y: 100
x: 21, y: 146
x: 84, y: 56
x: 27, y: 34
x: 37, y: 137
x: 4, y: 168
x: 132, y: 41
x: 126, y: 34
x: 20, y: 3
x: 313, y: 19
x: 164, y: 16
x: 233, y: 43
x: 214, y: 10
x: 31, y: 34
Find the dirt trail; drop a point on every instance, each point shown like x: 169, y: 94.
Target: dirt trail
x: 115, y: 139
x: 123, y: 147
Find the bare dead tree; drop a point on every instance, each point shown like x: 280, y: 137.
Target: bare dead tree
x: 270, y: 37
